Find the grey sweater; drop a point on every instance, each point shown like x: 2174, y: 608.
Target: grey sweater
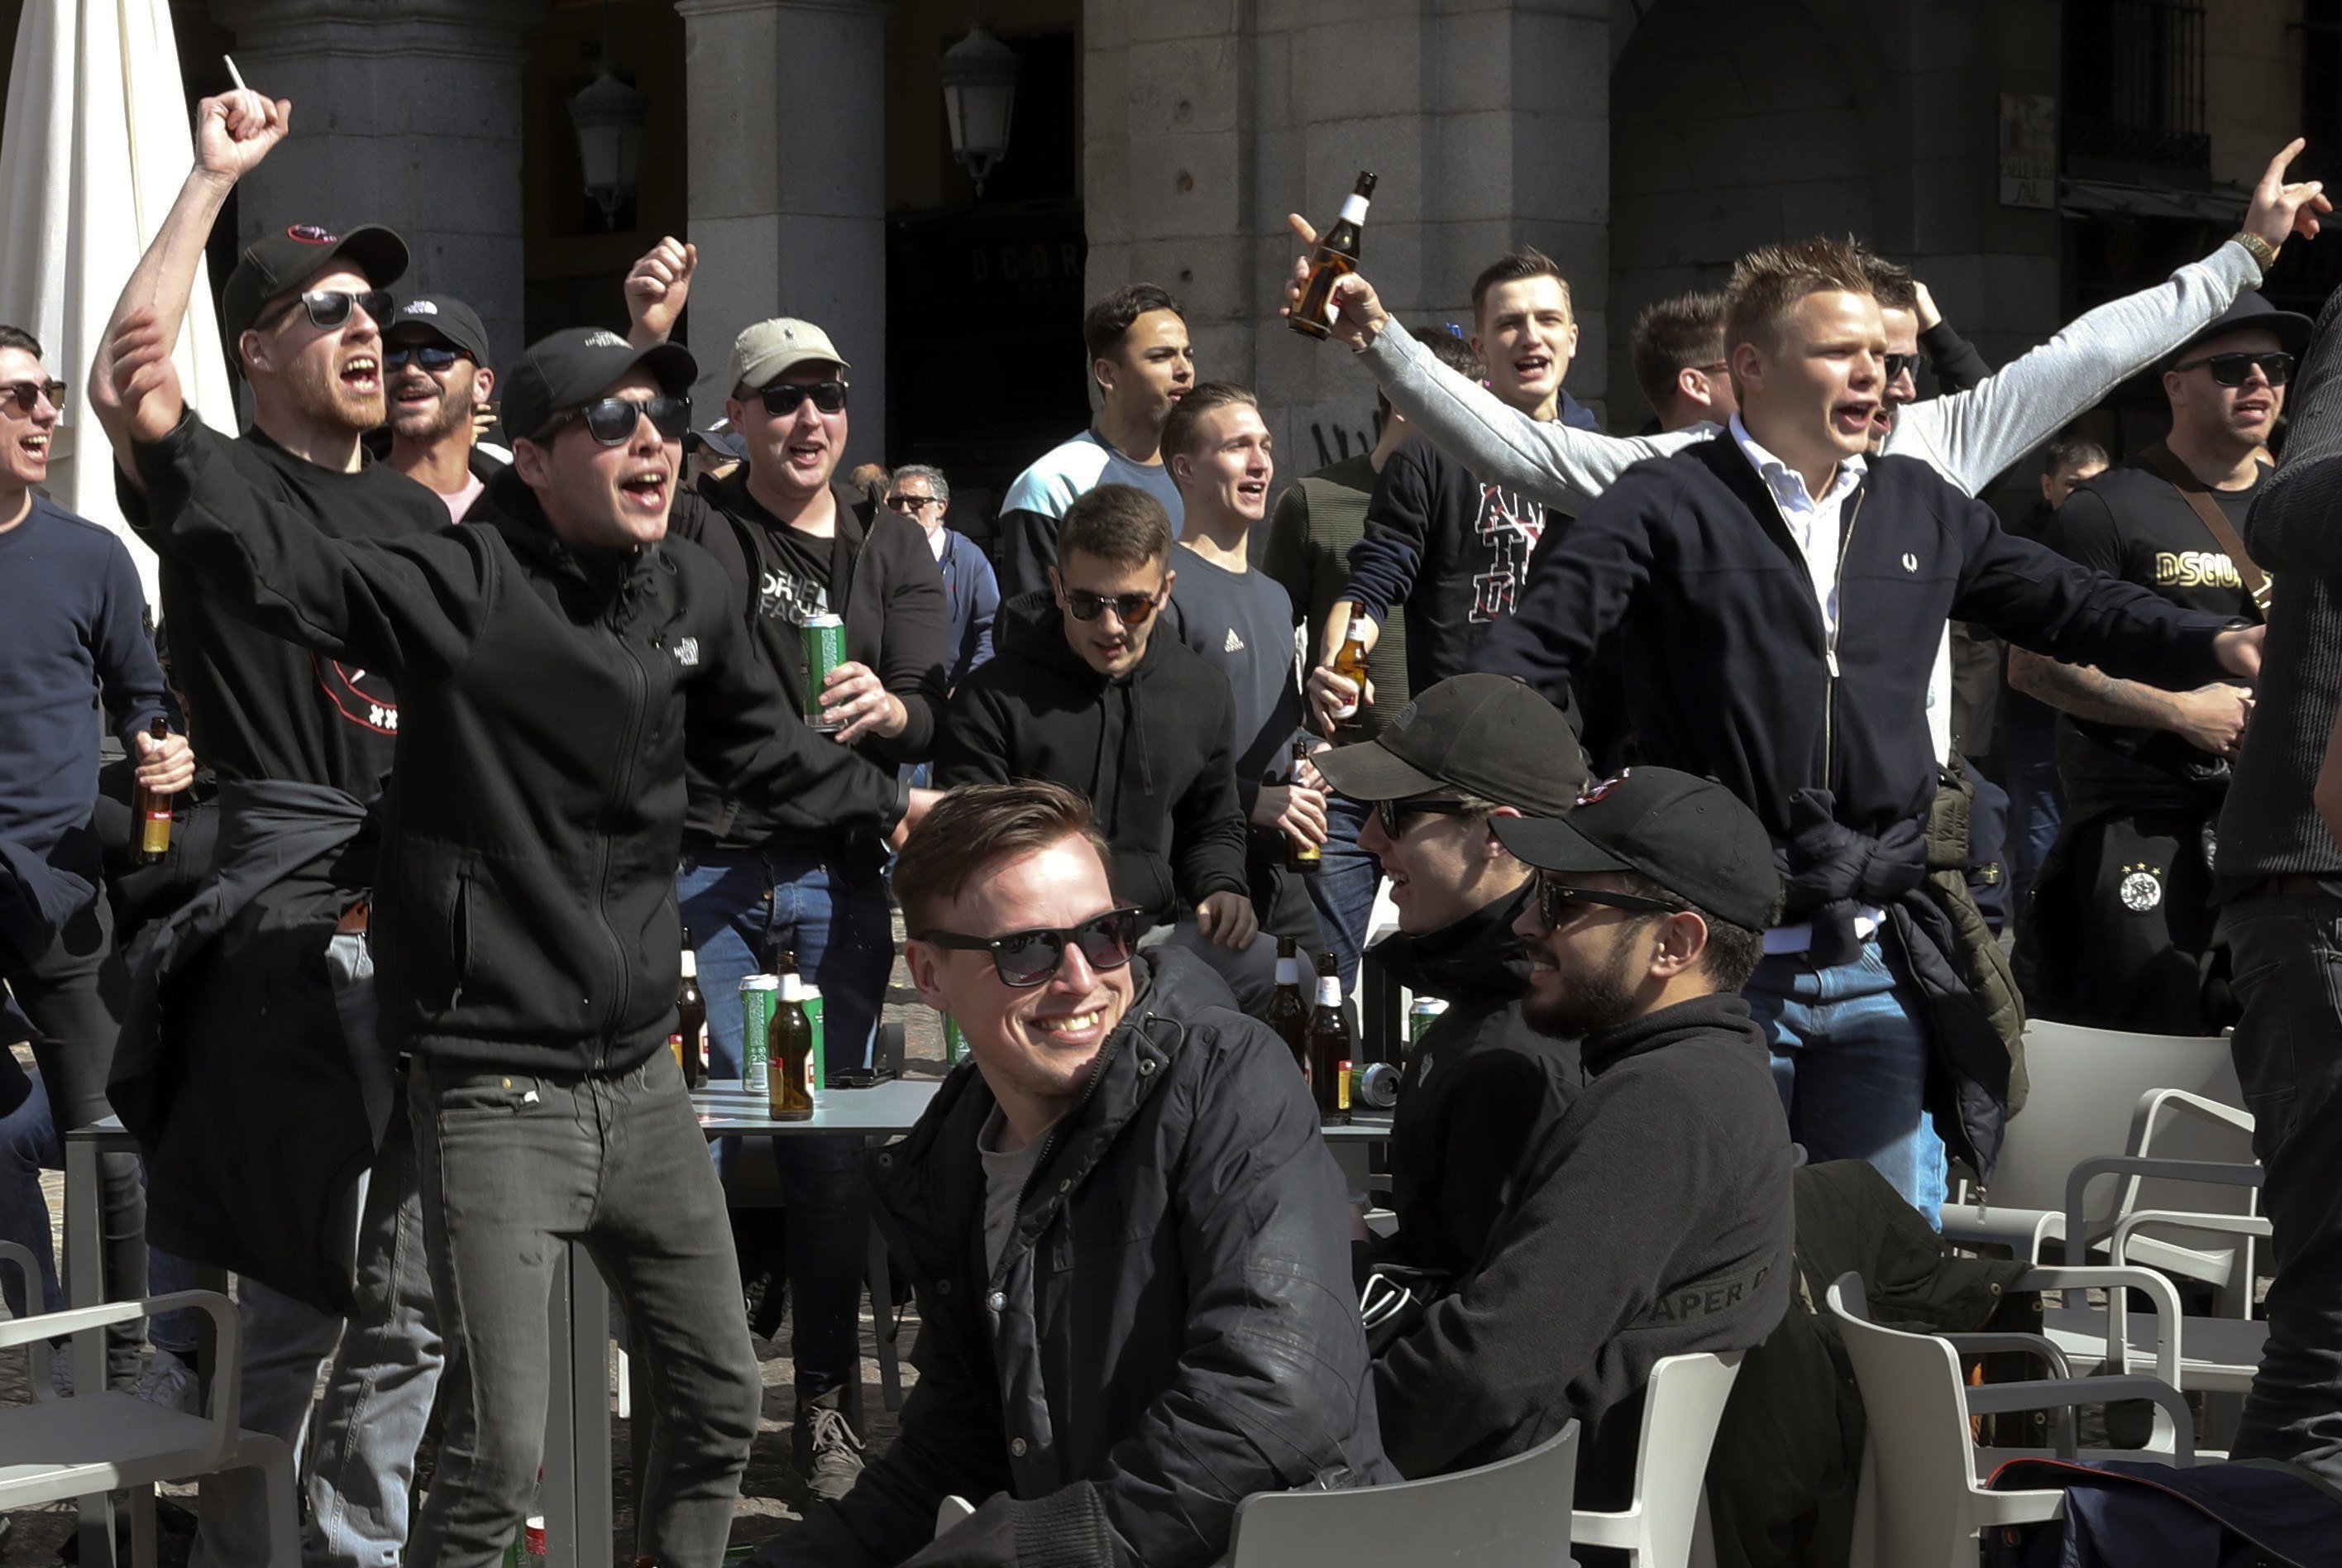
x: 2268, y: 826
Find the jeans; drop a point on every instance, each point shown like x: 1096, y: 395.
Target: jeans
x: 72, y: 996
x: 1344, y: 888
x: 2037, y: 797
x: 284, y: 1343
x: 378, y: 1394
x: 29, y: 1145
x: 514, y: 1166
x: 738, y: 905
x: 2287, y: 951
x: 1850, y: 1058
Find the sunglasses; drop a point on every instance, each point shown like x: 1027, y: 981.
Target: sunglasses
x: 1024, y: 959
x: 783, y: 398
x: 435, y: 360
x: 28, y: 393
x: 1390, y: 813
x: 1133, y: 609
x: 613, y: 420
x: 909, y: 502
x: 1558, y: 902
x: 1896, y: 364
x: 329, y: 307
x: 2235, y: 369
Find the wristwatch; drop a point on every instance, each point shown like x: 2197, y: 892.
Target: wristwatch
x: 2262, y: 251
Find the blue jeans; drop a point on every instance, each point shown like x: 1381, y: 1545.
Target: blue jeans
x: 29, y: 1145
x: 739, y: 905
x: 284, y: 1343
x: 2036, y: 799
x: 1850, y: 1058
x: 1344, y: 888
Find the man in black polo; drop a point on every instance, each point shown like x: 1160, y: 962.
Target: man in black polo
x: 2124, y: 903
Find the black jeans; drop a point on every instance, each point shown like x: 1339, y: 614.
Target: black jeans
x: 74, y: 996
x: 2288, y: 952
x: 511, y: 1166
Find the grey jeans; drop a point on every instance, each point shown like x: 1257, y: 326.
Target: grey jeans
x: 512, y: 1165
x: 2287, y: 955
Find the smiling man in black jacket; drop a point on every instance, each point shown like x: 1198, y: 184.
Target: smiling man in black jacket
x: 556, y: 664
x: 1125, y: 1233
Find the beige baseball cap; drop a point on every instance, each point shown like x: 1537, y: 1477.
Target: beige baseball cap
x: 770, y: 347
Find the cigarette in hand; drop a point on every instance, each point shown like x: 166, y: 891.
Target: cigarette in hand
x: 233, y: 75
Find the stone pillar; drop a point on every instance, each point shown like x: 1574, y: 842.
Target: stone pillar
x: 405, y: 112
x: 788, y: 184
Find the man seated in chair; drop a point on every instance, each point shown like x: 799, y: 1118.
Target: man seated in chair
x: 1653, y: 1218
x: 1126, y: 1232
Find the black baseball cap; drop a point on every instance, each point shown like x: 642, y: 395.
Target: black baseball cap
x: 1691, y: 835
x: 572, y: 369
x: 278, y: 263
x: 1488, y: 736
x: 445, y: 314
x: 2252, y: 312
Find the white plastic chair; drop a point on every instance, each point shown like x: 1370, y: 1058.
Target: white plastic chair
x: 1514, y: 1514
x: 1924, y: 1502
x: 100, y: 1441
x: 1682, y: 1405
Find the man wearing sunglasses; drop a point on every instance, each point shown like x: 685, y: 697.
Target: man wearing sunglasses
x: 2123, y: 907
x: 1125, y: 1230
x: 971, y: 588
x: 1653, y: 1218
x: 435, y: 354
x: 559, y: 663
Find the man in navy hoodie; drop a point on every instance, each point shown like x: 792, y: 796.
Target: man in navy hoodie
x: 1776, y: 596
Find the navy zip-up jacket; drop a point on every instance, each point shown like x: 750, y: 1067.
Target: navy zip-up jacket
x: 1729, y: 673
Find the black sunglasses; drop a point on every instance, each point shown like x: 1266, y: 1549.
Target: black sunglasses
x: 1132, y: 608
x: 1555, y: 899
x: 28, y: 394
x: 1896, y: 364
x: 909, y: 502
x: 612, y: 420
x: 329, y: 307
x: 783, y: 398
x: 434, y: 360
x: 2237, y: 368
x: 1389, y: 812
x: 1024, y: 959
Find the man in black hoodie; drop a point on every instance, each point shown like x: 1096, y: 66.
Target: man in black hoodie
x: 1653, y: 1219
x: 1083, y: 694
x: 555, y: 664
x: 1481, y: 1087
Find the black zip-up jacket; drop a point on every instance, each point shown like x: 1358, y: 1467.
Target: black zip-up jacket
x: 524, y: 912
x: 884, y: 583
x: 1654, y: 1220
x: 1729, y: 672
x: 1153, y: 752
x: 1171, y: 1328
x: 1480, y: 1092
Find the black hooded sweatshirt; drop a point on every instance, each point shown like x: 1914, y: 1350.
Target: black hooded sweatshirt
x: 1152, y: 752
x: 1654, y: 1219
x: 1481, y: 1089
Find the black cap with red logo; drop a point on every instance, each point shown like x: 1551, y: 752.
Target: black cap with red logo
x: 277, y: 264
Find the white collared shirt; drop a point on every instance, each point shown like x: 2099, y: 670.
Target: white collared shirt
x: 1813, y: 523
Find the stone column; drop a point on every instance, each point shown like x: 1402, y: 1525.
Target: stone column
x: 788, y: 184
x: 405, y: 112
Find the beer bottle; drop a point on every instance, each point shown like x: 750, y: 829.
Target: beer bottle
x: 153, y: 811
x: 1336, y: 256
x: 1329, y: 1045
x: 1288, y: 1008
x: 1350, y: 664
x: 690, y: 1038
x: 790, y: 1053
x: 1300, y: 854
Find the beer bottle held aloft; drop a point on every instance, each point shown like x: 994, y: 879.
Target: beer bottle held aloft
x: 1336, y: 257
x: 151, y: 810
x: 1350, y: 664
x: 790, y: 1054
x: 1288, y: 1005
x: 689, y: 1041
x: 1329, y: 1045
x: 1300, y: 854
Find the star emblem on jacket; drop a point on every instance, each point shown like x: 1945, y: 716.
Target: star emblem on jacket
x: 2140, y: 889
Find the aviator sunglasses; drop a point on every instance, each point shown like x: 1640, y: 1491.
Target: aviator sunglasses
x: 1024, y: 959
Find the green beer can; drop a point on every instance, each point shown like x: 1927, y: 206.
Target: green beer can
x: 824, y: 650
x: 812, y: 1001
x: 954, y: 1042
x: 758, y: 994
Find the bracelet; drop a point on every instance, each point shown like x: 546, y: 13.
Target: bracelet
x: 2261, y: 250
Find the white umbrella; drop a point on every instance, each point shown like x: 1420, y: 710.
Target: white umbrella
x: 94, y: 149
